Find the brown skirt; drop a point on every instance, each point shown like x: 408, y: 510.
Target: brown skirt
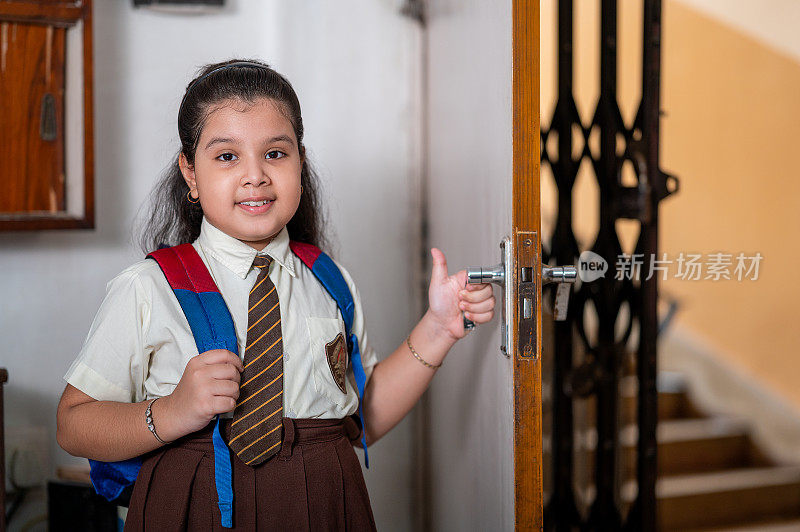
x: 313, y: 483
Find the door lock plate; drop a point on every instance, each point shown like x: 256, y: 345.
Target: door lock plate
x: 527, y: 294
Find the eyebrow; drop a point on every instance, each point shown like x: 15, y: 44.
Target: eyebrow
x: 220, y: 140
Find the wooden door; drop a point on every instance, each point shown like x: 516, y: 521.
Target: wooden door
x: 484, y: 430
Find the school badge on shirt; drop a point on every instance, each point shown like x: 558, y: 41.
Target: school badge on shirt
x: 336, y: 353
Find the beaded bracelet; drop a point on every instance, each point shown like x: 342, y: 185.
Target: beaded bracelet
x: 416, y: 355
x: 148, y: 416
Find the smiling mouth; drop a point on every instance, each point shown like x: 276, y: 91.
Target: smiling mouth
x: 255, y: 203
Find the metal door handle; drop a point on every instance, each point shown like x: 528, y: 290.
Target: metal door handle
x: 478, y: 275
x: 498, y: 275
x: 559, y: 274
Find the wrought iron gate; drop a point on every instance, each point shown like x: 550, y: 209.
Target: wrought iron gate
x: 590, y: 360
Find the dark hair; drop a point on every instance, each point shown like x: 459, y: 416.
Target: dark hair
x: 171, y: 219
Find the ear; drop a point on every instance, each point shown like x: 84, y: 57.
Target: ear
x: 302, y: 155
x: 187, y: 171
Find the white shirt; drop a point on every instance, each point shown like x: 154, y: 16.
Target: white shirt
x: 140, y: 341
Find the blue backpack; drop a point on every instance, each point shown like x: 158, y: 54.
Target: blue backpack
x: 212, y: 328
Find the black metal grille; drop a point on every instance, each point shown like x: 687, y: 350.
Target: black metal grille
x: 591, y: 358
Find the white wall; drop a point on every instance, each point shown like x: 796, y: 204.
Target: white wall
x: 470, y: 156
x: 351, y: 63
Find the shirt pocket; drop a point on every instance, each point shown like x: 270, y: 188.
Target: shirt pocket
x: 329, y: 357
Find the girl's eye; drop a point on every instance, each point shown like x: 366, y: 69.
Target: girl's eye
x: 226, y: 157
x: 275, y: 154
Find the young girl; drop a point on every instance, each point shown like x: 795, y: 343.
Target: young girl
x: 239, y: 191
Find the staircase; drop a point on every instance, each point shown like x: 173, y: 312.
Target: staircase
x: 711, y: 474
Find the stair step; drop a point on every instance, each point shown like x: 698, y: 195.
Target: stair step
x: 689, y: 446
x: 673, y: 400
x: 674, y: 405
x: 703, y: 445
x: 671, y: 405
x: 728, y: 498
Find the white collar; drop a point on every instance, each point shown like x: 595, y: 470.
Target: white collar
x: 238, y: 256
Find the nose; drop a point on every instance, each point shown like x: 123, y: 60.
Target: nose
x: 255, y: 172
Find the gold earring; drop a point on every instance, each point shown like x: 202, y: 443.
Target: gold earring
x: 301, y: 189
x: 189, y: 197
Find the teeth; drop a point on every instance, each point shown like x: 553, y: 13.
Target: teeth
x: 255, y: 203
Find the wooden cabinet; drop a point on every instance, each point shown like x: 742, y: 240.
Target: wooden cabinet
x: 46, y: 133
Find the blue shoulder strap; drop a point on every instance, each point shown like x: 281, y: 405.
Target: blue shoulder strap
x: 328, y: 274
x: 212, y: 328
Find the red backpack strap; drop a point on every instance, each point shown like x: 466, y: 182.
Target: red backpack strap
x: 184, y: 269
x: 308, y: 253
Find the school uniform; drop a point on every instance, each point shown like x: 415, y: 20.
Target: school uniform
x: 139, y: 344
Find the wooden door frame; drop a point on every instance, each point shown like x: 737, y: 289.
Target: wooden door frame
x: 526, y: 217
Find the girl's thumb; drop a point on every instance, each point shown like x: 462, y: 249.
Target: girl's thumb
x: 439, y: 270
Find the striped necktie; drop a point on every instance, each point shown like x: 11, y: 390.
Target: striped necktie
x: 255, y: 432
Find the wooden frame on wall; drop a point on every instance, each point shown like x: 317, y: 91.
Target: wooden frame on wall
x: 46, y: 115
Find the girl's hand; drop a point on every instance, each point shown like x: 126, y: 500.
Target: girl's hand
x: 449, y: 295
x: 209, y: 386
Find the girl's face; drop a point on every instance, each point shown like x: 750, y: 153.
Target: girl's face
x: 246, y: 170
